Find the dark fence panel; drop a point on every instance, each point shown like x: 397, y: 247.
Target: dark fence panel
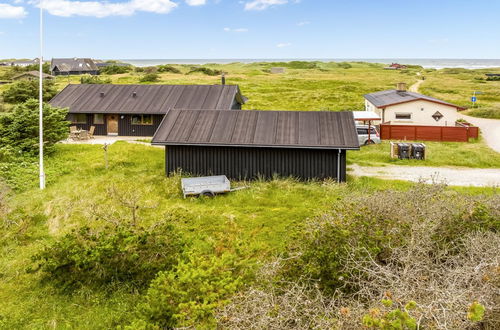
x: 251, y: 163
x: 428, y: 133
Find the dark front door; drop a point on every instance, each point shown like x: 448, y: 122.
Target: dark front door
x: 112, y: 124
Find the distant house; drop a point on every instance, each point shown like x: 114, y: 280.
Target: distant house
x: 396, y: 66
x: 24, y: 63
x: 278, y: 70
x: 73, y: 66
x: 137, y: 110
x: 249, y: 144
x: 31, y: 75
x: 400, y: 107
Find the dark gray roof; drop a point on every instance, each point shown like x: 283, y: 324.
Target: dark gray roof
x: 393, y: 97
x: 34, y: 74
x: 73, y: 64
x: 252, y: 128
x: 145, y: 99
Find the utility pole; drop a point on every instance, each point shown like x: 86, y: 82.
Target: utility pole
x: 40, y: 100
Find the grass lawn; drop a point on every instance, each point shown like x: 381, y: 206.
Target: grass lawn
x: 258, y: 222
x: 472, y: 154
x: 458, y: 85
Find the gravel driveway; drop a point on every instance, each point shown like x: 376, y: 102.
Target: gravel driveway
x: 490, y: 129
x: 477, y: 177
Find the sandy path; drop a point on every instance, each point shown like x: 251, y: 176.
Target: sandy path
x: 452, y: 176
x: 414, y: 88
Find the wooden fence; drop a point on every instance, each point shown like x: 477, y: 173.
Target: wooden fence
x: 428, y: 133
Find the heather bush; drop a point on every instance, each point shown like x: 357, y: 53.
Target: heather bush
x: 89, y: 79
x: 168, y: 68
x: 433, y: 262
x: 204, y: 70
x: 150, y: 77
x: 98, y: 257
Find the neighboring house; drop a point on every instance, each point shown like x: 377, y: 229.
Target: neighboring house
x: 31, y: 75
x: 24, y: 63
x: 400, y: 107
x: 249, y: 144
x: 73, y: 66
x: 137, y: 110
x: 396, y: 66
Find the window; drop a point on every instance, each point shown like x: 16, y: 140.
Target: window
x: 98, y: 118
x: 405, y: 116
x: 78, y: 118
x: 362, y: 131
x: 142, y: 120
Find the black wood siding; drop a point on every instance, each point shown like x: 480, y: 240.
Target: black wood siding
x: 125, y: 127
x: 250, y: 163
x: 100, y: 129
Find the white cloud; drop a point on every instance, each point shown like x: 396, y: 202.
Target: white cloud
x: 283, y: 45
x: 9, y: 11
x: 239, y: 30
x: 263, y: 4
x: 100, y: 9
x: 196, y: 2
x: 303, y: 23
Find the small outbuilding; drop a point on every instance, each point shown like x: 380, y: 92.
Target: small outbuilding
x: 137, y: 110
x: 249, y: 144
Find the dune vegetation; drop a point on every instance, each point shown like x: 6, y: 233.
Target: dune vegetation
x: 115, y: 245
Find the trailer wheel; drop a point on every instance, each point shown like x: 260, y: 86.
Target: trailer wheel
x: 368, y: 142
x: 207, y: 193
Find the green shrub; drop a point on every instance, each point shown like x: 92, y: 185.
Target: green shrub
x: 115, y: 69
x: 139, y: 69
x: 189, y: 294
x: 23, y: 90
x: 19, y: 128
x: 168, y: 68
x: 150, y: 77
x: 97, y: 257
x: 494, y: 78
x: 398, y: 318
x: 204, y: 70
x: 344, y: 65
x: 89, y: 79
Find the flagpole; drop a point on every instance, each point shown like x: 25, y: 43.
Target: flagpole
x: 40, y: 100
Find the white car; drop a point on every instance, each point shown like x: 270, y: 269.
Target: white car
x: 363, y: 135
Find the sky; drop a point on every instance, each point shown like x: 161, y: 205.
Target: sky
x: 252, y: 29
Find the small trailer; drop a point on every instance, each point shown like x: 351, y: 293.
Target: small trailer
x: 207, y: 186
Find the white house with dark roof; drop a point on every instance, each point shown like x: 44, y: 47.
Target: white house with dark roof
x: 401, y: 107
x: 73, y: 66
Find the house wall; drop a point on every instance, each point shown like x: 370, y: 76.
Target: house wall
x: 125, y: 127
x: 419, y: 116
x: 100, y: 129
x: 251, y: 163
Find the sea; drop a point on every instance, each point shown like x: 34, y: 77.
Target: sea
x: 436, y: 63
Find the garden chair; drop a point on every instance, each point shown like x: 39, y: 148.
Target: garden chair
x: 73, y: 132
x: 84, y: 135
x: 91, y: 132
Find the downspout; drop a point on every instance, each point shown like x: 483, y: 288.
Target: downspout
x: 338, y: 166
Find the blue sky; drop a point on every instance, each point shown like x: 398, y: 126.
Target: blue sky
x: 193, y: 29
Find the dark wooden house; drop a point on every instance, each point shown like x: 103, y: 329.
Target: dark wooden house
x: 137, y: 110
x: 73, y: 66
x: 251, y: 144
x: 31, y: 75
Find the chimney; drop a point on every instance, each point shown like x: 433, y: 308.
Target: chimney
x: 101, y: 94
x: 134, y: 94
x: 223, y: 78
x: 401, y: 87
